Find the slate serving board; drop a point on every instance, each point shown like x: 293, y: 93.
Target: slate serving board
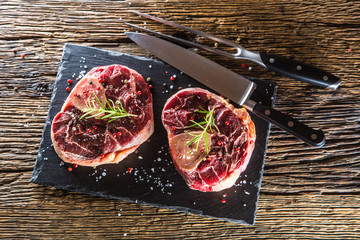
x: 148, y: 176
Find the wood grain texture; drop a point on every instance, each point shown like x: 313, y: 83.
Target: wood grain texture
x: 306, y: 193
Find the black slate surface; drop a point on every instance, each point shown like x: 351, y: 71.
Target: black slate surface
x: 153, y: 179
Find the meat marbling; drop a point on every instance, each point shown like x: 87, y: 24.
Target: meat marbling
x: 92, y: 141
x: 230, y: 147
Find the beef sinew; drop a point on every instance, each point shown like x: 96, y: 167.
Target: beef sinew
x: 210, y: 141
x: 84, y: 133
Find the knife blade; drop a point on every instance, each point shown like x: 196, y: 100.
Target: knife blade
x: 225, y: 82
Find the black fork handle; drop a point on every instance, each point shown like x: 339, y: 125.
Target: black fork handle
x: 300, y: 71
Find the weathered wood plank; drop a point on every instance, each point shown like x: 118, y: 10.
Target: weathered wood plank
x: 56, y: 213
x: 306, y: 193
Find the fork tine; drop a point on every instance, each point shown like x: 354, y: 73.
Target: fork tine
x: 166, y: 36
x: 182, y: 41
x: 182, y: 27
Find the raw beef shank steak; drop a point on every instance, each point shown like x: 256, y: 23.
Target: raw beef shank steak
x: 210, y: 140
x: 106, y: 116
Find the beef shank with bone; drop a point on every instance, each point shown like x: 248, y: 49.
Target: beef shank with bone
x: 93, y: 140
x: 209, y: 153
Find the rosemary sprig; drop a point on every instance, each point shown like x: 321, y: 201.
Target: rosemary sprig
x: 110, y: 110
x: 207, y: 126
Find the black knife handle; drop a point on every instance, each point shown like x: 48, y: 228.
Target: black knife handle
x: 300, y: 71
x: 310, y: 136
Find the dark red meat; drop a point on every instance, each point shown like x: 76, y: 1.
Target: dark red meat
x: 91, y: 142
x: 230, y: 147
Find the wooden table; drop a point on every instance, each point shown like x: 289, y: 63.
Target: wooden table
x: 306, y: 193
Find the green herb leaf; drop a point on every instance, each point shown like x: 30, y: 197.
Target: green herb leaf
x: 110, y: 110
x: 208, y: 126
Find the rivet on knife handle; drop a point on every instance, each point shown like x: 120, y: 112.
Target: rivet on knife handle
x: 300, y: 71
x: 310, y: 136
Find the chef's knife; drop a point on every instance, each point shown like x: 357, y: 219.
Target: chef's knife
x: 225, y: 82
